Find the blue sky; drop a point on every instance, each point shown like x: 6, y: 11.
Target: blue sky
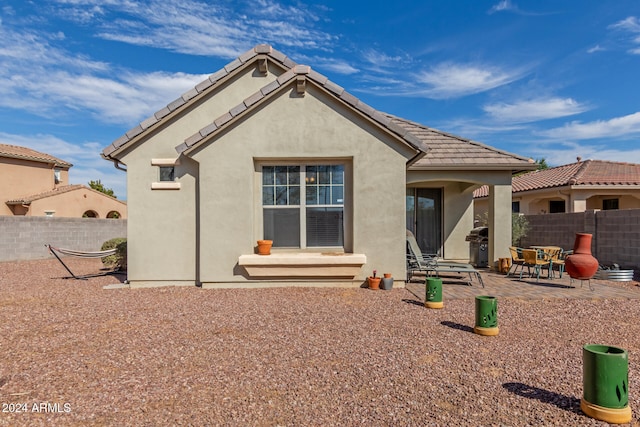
x: 552, y: 79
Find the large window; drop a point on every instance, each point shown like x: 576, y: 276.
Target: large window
x: 303, y: 205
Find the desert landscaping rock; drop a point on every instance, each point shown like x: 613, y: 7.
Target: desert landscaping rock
x: 291, y: 356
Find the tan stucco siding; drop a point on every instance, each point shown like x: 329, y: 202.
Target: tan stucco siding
x: 458, y: 210
x: 75, y: 203
x: 22, y: 178
x: 162, y: 223
x: 303, y: 128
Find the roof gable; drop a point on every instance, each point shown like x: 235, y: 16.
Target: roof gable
x: 259, y: 54
x: 444, y: 150
x: 300, y: 75
x: 24, y: 153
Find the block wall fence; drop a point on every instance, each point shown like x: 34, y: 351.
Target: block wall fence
x: 616, y: 234
x: 23, y: 238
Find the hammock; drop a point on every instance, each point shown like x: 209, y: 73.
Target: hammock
x: 78, y: 254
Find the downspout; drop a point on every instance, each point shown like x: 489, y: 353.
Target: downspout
x: 117, y: 165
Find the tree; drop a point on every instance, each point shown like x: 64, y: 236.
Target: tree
x: 542, y: 163
x: 97, y: 185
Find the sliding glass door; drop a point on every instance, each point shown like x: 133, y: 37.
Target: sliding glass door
x: 424, y: 218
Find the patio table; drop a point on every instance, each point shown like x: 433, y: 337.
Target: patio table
x: 549, y: 254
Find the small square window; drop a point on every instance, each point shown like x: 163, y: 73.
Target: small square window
x: 167, y: 173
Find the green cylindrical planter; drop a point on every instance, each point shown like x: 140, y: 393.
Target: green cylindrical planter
x: 605, y: 377
x: 486, y: 315
x: 434, y: 293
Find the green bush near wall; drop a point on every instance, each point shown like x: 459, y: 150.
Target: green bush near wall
x: 119, y: 259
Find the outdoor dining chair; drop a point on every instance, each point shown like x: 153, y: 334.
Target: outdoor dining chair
x: 516, y: 260
x: 536, y: 259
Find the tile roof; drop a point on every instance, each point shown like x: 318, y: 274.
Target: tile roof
x: 197, y: 92
x: 302, y: 73
x: 444, y: 150
x: 448, y: 151
x: 586, y: 173
x: 56, y: 191
x: 17, y: 152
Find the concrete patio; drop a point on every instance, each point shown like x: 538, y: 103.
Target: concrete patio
x: 499, y: 285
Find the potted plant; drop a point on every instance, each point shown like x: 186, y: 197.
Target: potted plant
x: 264, y: 247
x: 374, y: 281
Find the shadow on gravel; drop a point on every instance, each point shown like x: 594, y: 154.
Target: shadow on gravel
x: 414, y: 302
x: 568, y: 403
x: 458, y: 326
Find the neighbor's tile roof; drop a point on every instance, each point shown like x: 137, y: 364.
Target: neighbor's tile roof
x: 56, y: 191
x: 16, y: 152
x: 587, y: 172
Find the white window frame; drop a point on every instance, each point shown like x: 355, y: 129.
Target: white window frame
x: 165, y: 185
x: 302, y: 207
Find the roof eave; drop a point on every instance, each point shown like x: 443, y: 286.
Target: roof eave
x: 274, y: 89
x: 188, y: 99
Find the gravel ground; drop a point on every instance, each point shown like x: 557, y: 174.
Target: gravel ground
x: 290, y: 356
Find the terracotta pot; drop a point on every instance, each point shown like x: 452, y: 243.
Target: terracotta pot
x: 387, y: 275
x: 264, y: 247
x: 374, y: 282
x: 581, y: 264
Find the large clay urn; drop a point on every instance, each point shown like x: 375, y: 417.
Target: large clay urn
x: 581, y: 264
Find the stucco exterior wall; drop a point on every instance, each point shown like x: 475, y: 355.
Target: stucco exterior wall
x: 25, y: 178
x: 75, y: 203
x: 303, y: 128
x: 576, y: 200
x: 459, y: 210
x: 162, y: 230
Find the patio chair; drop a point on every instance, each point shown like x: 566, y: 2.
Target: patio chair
x: 536, y: 259
x: 431, y: 264
x: 559, y: 260
x: 516, y: 260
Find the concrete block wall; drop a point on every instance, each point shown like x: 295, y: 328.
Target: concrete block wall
x: 23, y: 238
x: 616, y: 234
x: 618, y: 238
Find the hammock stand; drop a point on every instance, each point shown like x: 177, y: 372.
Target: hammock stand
x: 78, y: 254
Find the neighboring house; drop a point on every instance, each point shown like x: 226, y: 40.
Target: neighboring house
x: 37, y: 184
x: 269, y: 149
x: 576, y: 187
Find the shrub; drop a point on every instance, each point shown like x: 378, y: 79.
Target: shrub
x: 519, y: 228
x: 119, y: 259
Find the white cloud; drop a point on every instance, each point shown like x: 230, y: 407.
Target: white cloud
x: 630, y: 24
x: 596, y: 48
x: 38, y: 77
x: 502, y: 6
x: 449, y: 80
x: 201, y: 28
x: 563, y: 153
x: 534, y: 110
x: 625, y: 126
